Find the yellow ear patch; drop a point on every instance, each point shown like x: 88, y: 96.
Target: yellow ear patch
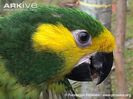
x: 53, y: 37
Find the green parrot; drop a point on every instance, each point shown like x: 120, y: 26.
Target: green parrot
x: 42, y: 47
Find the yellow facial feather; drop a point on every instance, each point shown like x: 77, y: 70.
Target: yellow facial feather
x: 52, y: 37
x: 59, y: 39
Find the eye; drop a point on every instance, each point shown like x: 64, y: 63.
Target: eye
x: 82, y: 38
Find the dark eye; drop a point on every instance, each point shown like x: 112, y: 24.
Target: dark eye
x: 82, y: 37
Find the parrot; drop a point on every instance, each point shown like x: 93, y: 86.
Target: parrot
x: 41, y: 48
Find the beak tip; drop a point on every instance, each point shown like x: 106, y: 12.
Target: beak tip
x: 99, y: 81
x: 103, y: 77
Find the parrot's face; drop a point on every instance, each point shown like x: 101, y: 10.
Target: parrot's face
x: 74, y: 46
x: 46, y: 44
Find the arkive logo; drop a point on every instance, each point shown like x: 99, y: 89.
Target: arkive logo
x: 19, y: 5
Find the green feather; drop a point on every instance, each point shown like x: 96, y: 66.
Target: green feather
x: 11, y: 89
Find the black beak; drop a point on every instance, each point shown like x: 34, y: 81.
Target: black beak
x: 100, y: 67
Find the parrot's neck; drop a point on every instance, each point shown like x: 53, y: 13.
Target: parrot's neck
x: 10, y: 87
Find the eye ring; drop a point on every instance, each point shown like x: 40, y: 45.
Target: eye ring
x: 82, y: 38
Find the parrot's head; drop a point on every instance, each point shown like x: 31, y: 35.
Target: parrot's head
x: 47, y: 43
